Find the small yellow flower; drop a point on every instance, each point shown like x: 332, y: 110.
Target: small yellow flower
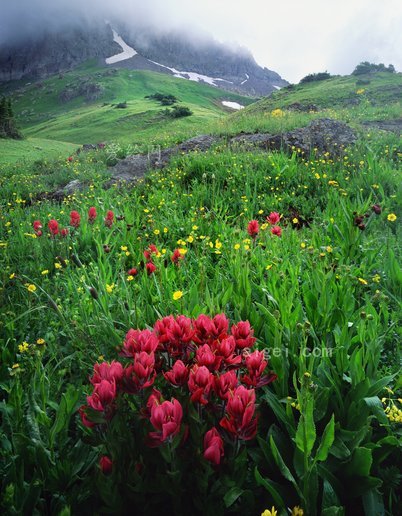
x: 190, y: 239
x: 165, y: 230
x: 237, y: 247
x: 177, y: 295
x: 329, y: 249
x: 109, y: 288
x: 195, y: 228
x: 268, y: 267
x: 31, y: 288
x: 156, y: 231
x: 362, y: 281
x: 303, y: 245
x: 295, y: 220
x: 182, y: 251
x: 15, y: 366
x: 12, y: 276
x: 392, y: 217
x: 22, y: 348
x: 101, y: 358
x: 272, y: 512
x: 297, y: 511
x: 246, y: 247
x: 40, y: 342
x: 376, y: 278
x: 123, y: 248
x: 130, y: 278
x: 58, y: 266
x: 45, y: 272
x: 218, y: 244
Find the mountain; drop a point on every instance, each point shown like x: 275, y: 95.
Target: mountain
x: 137, y: 48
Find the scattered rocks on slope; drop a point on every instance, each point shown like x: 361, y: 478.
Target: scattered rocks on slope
x: 394, y: 126
x: 302, y: 108
x: 322, y: 135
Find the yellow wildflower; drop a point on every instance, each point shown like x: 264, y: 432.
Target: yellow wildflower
x: 30, y: 287
x: 272, y: 512
x: 237, y: 246
x: 297, y: 511
x: 177, y: 295
x: 392, y: 217
x: 45, y: 272
x: 40, y: 342
x: 12, y: 276
x: 58, y: 266
x: 22, y: 348
x: 362, y: 281
x: 109, y: 288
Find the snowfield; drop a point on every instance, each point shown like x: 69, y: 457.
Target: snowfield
x: 246, y: 79
x: 127, y: 53
x: 233, y: 105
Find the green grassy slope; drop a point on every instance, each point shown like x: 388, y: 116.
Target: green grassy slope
x: 342, y: 98
x: 41, y: 113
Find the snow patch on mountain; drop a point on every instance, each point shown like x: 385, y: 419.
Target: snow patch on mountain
x: 192, y: 76
x: 233, y: 105
x: 276, y: 87
x: 127, y: 53
x: 246, y: 79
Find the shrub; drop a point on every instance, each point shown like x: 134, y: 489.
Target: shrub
x: 312, y: 77
x: 179, y: 111
x: 366, y: 67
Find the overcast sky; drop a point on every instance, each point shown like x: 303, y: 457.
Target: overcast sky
x: 292, y: 37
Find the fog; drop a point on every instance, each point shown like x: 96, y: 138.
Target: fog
x: 293, y: 37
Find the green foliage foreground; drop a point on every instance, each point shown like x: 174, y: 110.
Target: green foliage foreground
x: 323, y: 299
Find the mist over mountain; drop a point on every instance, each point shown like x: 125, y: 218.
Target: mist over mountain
x: 46, y: 51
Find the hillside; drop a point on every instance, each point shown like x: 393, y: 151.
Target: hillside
x: 80, y: 107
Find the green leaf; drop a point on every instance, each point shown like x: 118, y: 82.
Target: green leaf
x: 306, y: 434
x: 375, y: 405
x: 232, y: 495
x: 269, y: 486
x: 373, y: 503
x: 280, y: 462
x: 360, y: 464
x: 326, y: 441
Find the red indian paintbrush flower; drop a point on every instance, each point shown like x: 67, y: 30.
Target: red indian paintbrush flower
x: 253, y: 228
x: 53, y: 226
x: 178, y: 375
x: 150, y: 268
x: 141, y: 374
x: 225, y: 383
x: 204, y: 356
x: 137, y: 341
x: 177, y: 256
x: 132, y: 272
x: 37, y: 226
x: 200, y: 383
x: 75, y: 219
x: 106, y: 465
x: 102, y: 398
x: 276, y: 230
x: 256, y: 365
x: 64, y: 232
x: 92, y: 215
x: 213, y: 446
x: 109, y: 219
x: 224, y: 351
x: 105, y: 371
x: 274, y: 217
x: 239, y: 419
x: 243, y: 335
x: 166, y: 419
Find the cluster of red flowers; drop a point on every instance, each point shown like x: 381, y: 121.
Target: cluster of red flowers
x: 149, y: 255
x: 273, y: 219
x: 201, y: 359
x: 75, y: 221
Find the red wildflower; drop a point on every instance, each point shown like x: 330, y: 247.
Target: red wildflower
x: 253, y: 228
x: 150, y: 267
x: 377, y: 209
x: 152, y: 249
x: 225, y: 352
x: 92, y: 215
x: 274, y: 217
x: 276, y: 230
x: 102, y: 398
x: 178, y: 375
x: 177, y: 257
x: 109, y: 219
x: 110, y: 372
x: 64, y: 232
x: 53, y: 226
x: 200, y: 383
x: 84, y: 418
x: 166, y: 419
x: 239, y: 419
x: 243, y: 335
x: 106, y: 465
x: 132, y: 272
x: 75, y: 219
x: 70, y: 159
x: 256, y: 365
x: 179, y: 334
x: 141, y: 374
x: 207, y: 329
x: 213, y: 446
x: 225, y: 383
x: 205, y: 357
x: 137, y: 341
x: 37, y: 225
